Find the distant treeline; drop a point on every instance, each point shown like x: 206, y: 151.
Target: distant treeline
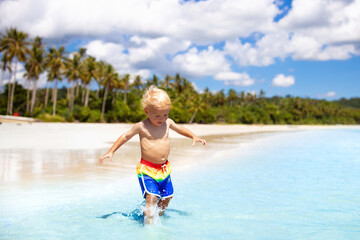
x: 352, y: 102
x: 117, y: 97
x: 187, y: 106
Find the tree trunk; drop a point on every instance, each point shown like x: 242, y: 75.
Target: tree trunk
x: 54, y: 97
x: 83, y: 93
x: 2, y: 79
x: 68, y: 93
x: 72, y: 96
x: 47, y: 94
x: 193, y: 116
x: 98, y: 90
x: 87, y: 95
x: 104, y: 101
x: 113, y: 98
x: 28, y: 96
x: 77, y: 89
x: 13, y: 90
x: 33, y: 97
x: 125, y: 93
x: 9, y: 94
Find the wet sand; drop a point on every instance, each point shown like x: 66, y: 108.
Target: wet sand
x: 50, y: 152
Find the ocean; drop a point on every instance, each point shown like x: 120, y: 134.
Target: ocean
x: 288, y: 185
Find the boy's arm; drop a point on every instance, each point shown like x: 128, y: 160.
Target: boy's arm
x: 120, y: 141
x: 186, y: 132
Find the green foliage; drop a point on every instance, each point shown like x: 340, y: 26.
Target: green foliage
x: 85, y: 114
x: 203, y: 108
x: 352, y: 102
x: 49, y: 118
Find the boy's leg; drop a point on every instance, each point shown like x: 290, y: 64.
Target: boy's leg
x: 162, y: 205
x: 150, y: 209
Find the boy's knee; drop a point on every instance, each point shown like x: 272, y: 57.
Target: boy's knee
x: 151, y: 199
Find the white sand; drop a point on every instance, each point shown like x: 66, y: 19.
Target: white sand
x: 87, y: 136
x: 46, y: 151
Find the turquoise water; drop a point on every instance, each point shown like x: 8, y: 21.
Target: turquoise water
x: 293, y: 185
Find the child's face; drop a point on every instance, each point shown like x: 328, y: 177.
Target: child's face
x: 158, y: 115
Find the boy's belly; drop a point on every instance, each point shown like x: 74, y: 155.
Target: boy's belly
x: 156, y: 151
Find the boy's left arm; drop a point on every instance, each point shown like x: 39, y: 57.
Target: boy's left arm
x: 186, y: 132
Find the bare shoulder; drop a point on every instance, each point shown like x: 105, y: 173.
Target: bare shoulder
x: 172, y: 124
x: 137, y: 127
x: 140, y: 125
x: 170, y: 121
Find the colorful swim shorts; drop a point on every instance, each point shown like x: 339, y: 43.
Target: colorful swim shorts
x: 155, y: 178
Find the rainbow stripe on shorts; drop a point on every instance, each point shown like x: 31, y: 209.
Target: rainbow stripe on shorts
x: 155, y: 178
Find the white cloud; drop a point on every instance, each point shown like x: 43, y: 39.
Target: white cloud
x: 152, y: 50
x: 142, y: 54
x: 330, y: 94
x: 169, y: 36
x: 197, y: 89
x: 143, y: 73
x: 200, y: 22
x: 307, y: 48
x: 281, y: 80
x: 197, y: 63
x: 112, y: 53
x: 235, y: 79
x: 282, y: 45
x: 329, y: 22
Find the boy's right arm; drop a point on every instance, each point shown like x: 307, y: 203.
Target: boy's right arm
x: 120, y: 141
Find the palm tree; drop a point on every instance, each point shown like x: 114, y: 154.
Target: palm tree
x: 88, y: 73
x: 188, y: 86
x: 72, y: 72
x: 14, y: 45
x: 262, y: 93
x: 220, y: 98
x: 138, y: 82
x: 100, y: 72
x: 5, y: 65
x: 55, y: 63
x: 242, y: 97
x: 153, y: 81
x: 126, y: 81
x: 35, y: 66
x: 197, y: 104
x: 232, y: 96
x: 178, y: 83
x: 117, y: 85
x: 110, y: 78
x: 167, y: 81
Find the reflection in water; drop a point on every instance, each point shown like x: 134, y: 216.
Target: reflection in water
x: 28, y: 165
x: 19, y: 166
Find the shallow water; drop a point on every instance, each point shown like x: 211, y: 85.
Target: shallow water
x: 293, y: 185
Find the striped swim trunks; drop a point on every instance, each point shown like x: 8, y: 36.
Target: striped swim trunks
x: 155, y: 178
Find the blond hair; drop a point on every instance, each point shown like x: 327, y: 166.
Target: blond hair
x: 155, y: 97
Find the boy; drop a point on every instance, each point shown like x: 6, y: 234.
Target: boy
x: 154, y: 168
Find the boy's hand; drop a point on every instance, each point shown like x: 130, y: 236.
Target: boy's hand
x: 103, y: 157
x: 196, y: 139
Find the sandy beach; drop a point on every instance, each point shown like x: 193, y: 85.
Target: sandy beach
x: 48, y: 151
x: 88, y: 135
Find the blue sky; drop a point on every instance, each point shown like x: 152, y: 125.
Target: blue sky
x: 306, y: 48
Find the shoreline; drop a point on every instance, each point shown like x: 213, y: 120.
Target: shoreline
x: 42, y: 152
x: 103, y: 135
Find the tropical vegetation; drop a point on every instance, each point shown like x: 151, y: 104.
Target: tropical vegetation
x: 96, y: 92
